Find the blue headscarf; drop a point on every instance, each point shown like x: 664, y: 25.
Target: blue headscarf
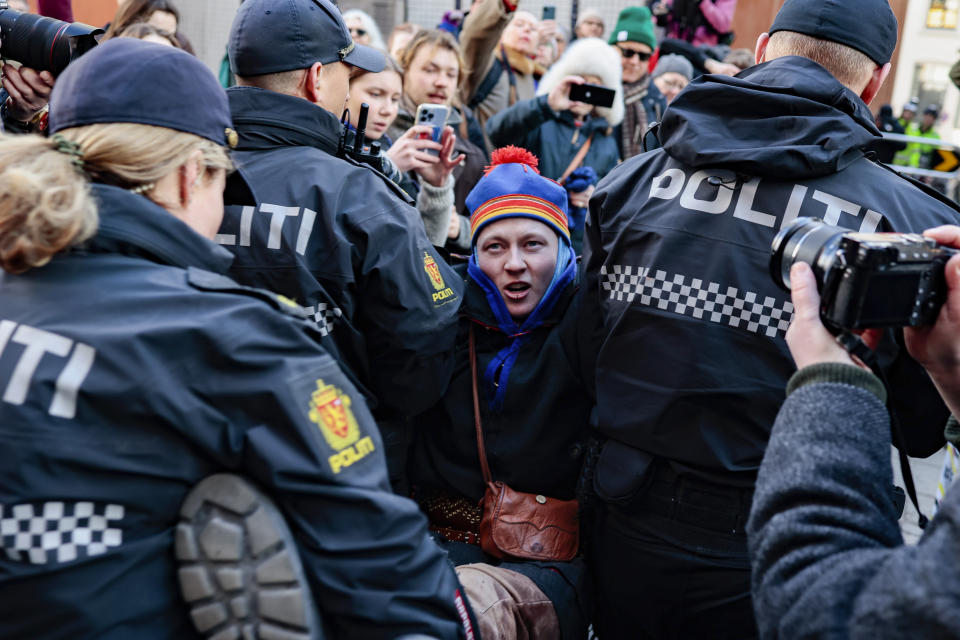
x: 563, y: 275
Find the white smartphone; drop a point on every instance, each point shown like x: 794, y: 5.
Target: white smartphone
x: 435, y: 117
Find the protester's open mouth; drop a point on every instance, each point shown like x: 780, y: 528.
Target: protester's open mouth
x: 517, y: 290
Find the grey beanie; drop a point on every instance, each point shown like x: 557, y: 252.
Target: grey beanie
x: 674, y: 63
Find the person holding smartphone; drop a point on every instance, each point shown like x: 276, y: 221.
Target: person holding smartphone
x: 433, y: 70
x: 420, y: 164
x: 556, y: 127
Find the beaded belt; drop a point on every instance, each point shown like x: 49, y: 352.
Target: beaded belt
x: 453, y: 517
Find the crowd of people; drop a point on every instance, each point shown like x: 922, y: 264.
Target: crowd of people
x: 466, y: 332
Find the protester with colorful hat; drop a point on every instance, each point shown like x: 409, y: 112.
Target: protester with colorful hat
x: 519, y: 318
x: 154, y: 410
x: 635, y: 41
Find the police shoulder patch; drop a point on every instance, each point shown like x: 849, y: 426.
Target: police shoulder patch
x: 330, y: 410
x: 441, y: 291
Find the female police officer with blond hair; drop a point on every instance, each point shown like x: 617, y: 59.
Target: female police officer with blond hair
x: 130, y: 370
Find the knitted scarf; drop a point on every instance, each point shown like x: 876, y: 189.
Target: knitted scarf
x: 519, y: 334
x: 635, y: 117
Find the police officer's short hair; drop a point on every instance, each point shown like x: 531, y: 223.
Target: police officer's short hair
x: 849, y: 66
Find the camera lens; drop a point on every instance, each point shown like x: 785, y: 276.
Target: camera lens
x: 43, y: 43
x: 809, y: 240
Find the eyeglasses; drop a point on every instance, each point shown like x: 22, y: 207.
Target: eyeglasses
x: 629, y: 53
x: 360, y: 32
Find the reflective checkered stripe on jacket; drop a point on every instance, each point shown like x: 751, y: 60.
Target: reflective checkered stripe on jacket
x: 55, y: 532
x: 708, y: 301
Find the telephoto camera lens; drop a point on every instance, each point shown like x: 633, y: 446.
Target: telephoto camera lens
x: 809, y: 240
x: 41, y: 43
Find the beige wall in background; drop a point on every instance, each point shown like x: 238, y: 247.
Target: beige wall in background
x: 207, y: 24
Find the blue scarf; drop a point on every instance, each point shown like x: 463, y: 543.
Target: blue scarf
x: 519, y: 334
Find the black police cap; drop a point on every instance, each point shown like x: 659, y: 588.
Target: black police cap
x: 129, y: 80
x: 271, y: 36
x: 868, y: 26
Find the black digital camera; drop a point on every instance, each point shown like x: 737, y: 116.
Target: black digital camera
x: 865, y: 280
x: 41, y: 43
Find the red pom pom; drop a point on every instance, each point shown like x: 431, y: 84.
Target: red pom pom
x: 513, y: 155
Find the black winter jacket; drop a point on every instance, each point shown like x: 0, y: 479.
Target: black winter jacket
x: 339, y: 239
x: 534, y: 444
x: 133, y: 369
x: 689, y: 334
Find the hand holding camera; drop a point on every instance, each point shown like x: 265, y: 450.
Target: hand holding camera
x: 873, y: 280
x: 937, y: 347
x: 29, y: 91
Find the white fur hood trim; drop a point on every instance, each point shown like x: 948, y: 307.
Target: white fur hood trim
x: 589, y: 56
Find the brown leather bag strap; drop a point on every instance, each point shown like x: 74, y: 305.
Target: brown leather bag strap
x: 476, y: 410
x: 577, y: 159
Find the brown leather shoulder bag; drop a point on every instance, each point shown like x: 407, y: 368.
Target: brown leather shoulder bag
x: 519, y: 525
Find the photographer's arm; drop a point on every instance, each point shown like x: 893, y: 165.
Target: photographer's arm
x: 826, y: 550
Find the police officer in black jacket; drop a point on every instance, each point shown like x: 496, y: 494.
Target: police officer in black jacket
x: 131, y: 369
x: 689, y: 334
x: 328, y: 232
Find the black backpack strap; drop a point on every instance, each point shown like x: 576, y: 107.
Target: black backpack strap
x: 651, y: 138
x: 489, y: 82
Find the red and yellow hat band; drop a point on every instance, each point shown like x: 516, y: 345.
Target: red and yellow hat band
x: 519, y: 206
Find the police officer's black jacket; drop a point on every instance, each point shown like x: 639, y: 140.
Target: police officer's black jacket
x: 534, y: 443
x: 129, y: 371
x: 691, y: 358
x: 339, y: 239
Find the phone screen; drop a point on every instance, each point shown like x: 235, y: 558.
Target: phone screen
x: 594, y: 94
x: 549, y: 13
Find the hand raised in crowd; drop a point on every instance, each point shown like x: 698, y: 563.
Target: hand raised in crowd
x: 581, y: 199
x: 937, y: 347
x: 453, y: 229
x: 29, y: 91
x: 409, y: 152
x: 809, y: 341
x: 559, y: 98
x: 721, y: 68
x: 547, y: 30
x: 437, y: 169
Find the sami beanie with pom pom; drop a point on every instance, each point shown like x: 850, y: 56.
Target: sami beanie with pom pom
x: 512, y: 187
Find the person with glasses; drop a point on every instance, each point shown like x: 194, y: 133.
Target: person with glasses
x: 589, y: 24
x: 363, y: 30
x: 672, y: 75
x: 634, y: 39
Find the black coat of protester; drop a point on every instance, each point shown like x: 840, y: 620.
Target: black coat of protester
x: 546, y: 410
x: 133, y: 369
x: 690, y: 284
x: 340, y: 240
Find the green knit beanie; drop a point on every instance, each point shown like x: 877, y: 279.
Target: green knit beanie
x: 634, y: 25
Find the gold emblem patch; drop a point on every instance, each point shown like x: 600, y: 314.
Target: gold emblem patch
x: 330, y: 410
x: 433, y: 270
x: 442, y: 291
